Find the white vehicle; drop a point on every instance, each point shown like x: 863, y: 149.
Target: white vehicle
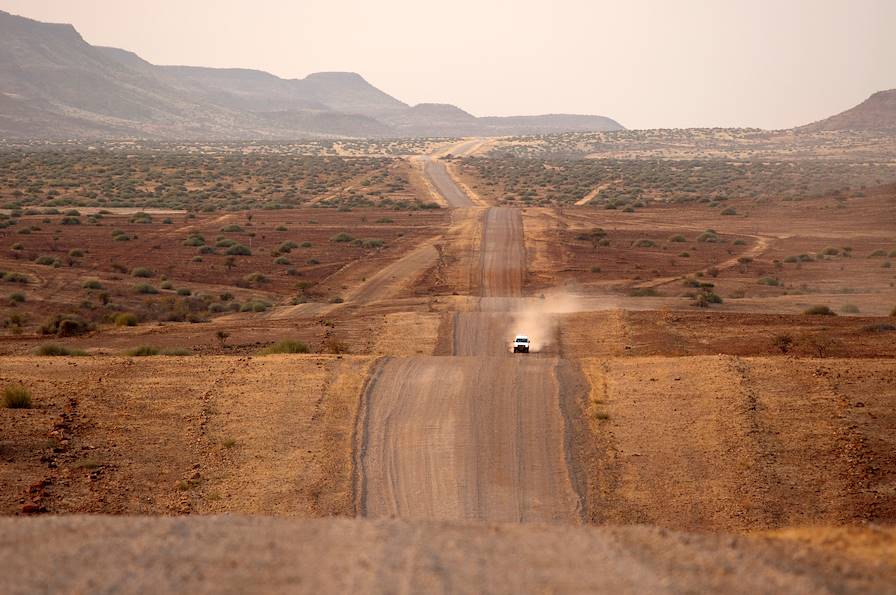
x: 521, y: 344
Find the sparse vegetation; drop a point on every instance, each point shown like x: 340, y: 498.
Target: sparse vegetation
x: 55, y: 350
x: 16, y: 396
x: 286, y: 346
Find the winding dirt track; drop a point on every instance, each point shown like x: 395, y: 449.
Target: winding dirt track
x: 479, y: 435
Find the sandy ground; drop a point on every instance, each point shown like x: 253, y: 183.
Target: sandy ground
x: 165, y: 435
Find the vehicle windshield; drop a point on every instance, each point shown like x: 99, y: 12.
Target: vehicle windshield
x: 522, y: 340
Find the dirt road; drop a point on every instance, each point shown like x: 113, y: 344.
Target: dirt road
x: 465, y: 437
x: 438, y: 174
x: 258, y: 554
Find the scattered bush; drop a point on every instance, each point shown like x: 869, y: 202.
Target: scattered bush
x: 286, y: 347
x: 143, y: 351
x: 146, y: 289
x: 47, y: 261
x: 66, y: 325
x: 255, y: 305
x: 17, y: 297
x: 678, y: 238
x: 149, y: 351
x: 54, y: 350
x: 645, y: 243
x: 849, y: 309
x: 16, y: 396
x: 142, y: 272
x: 125, y: 319
x: 819, y: 311
x: 729, y: 211
x: 255, y: 278
x: 231, y: 229
x: 13, y: 277
x: 239, y: 250
x: 341, y: 237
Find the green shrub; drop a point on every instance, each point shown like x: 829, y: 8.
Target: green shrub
x: 231, y: 229
x: 645, y: 243
x: 819, y: 311
x: 183, y: 291
x: 643, y: 292
x: 286, y: 347
x: 678, y: 238
x: 341, y: 237
x: 142, y: 272
x: 877, y: 254
x: 282, y: 260
x: 76, y: 253
x: 47, y: 261
x: 125, y: 319
x: 770, y: 281
x: 287, y: 247
x: 17, y: 297
x: 16, y: 396
x: 729, y: 211
x: 849, y: 309
x: 255, y: 305
x: 54, y: 350
x: 239, y: 250
x: 146, y: 289
x: 194, y: 240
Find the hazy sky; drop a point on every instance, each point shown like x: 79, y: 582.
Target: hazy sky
x: 658, y: 63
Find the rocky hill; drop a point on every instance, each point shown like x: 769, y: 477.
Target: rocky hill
x: 878, y: 112
x: 53, y: 84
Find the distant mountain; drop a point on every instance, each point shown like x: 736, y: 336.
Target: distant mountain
x: 53, y: 84
x: 878, y: 112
